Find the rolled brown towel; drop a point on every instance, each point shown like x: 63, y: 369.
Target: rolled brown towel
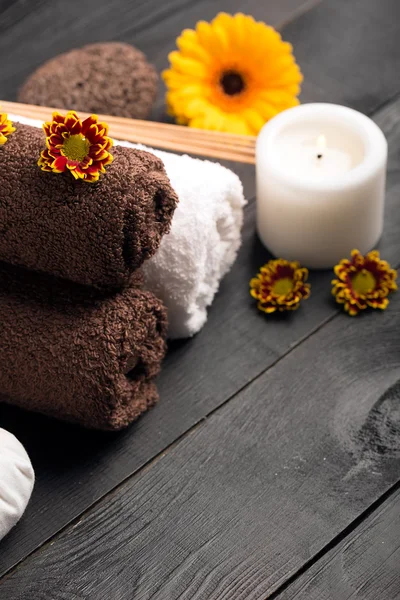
x: 111, y: 78
x: 72, y: 353
x: 91, y: 233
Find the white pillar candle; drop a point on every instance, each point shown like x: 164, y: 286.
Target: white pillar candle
x: 321, y: 171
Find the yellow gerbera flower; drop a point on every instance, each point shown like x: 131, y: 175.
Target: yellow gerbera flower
x: 233, y: 74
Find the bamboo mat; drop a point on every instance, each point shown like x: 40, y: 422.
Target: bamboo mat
x: 213, y: 144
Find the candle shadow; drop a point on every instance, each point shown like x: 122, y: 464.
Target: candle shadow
x: 259, y: 253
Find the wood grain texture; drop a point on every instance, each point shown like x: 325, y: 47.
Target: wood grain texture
x: 75, y: 468
x: 349, y: 41
x: 34, y: 31
x: 198, y: 376
x: 365, y: 566
x: 165, y: 136
x: 261, y: 486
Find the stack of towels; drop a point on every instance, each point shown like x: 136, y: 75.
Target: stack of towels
x: 80, y: 337
x: 203, y: 242
x: 86, y: 273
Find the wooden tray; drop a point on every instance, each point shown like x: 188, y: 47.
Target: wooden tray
x: 214, y: 144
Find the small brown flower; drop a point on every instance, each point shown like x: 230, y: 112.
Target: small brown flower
x: 279, y: 286
x: 6, y: 128
x: 364, y: 281
x: 80, y: 147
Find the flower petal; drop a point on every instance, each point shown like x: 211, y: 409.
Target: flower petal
x: 59, y: 164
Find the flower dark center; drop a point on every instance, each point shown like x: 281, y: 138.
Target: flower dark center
x: 283, y: 286
x: 363, y: 282
x: 76, y: 147
x: 232, y: 83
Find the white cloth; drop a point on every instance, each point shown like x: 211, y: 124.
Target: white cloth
x: 204, y: 240
x: 16, y: 481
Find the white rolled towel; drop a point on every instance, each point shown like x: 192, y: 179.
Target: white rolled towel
x: 16, y: 481
x: 204, y: 240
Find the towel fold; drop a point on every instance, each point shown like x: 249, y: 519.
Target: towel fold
x: 203, y: 242
x: 16, y: 481
x: 96, y: 234
x: 187, y: 269
x: 73, y: 353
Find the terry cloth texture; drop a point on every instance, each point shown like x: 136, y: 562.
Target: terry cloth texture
x: 75, y: 354
x: 95, y: 234
x: 203, y: 242
x: 202, y: 246
x: 110, y: 78
x: 16, y: 481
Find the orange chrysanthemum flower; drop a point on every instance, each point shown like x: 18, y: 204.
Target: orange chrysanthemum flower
x: 233, y: 74
x: 280, y: 285
x: 81, y: 147
x: 6, y: 128
x: 363, y: 281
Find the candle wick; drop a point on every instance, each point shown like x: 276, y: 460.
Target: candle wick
x: 319, y: 156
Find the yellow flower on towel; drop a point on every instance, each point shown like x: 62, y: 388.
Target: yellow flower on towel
x: 363, y: 281
x: 280, y: 285
x: 80, y: 147
x: 6, y: 128
x: 232, y: 74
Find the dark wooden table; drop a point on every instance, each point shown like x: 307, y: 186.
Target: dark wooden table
x: 271, y: 466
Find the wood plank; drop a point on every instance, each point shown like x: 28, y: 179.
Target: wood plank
x: 346, y: 50
x: 199, y: 375
x: 260, y: 487
x: 164, y: 136
x: 151, y: 25
x: 349, y: 42
x: 335, y: 75
x: 34, y: 32
x: 364, y: 566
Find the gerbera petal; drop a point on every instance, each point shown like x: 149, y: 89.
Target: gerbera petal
x: 76, y: 174
x: 100, y: 155
x: 190, y: 66
x: 73, y: 123
x: 58, y: 117
x: 87, y: 161
x: 59, y: 164
x: 189, y: 46
x: 88, y: 122
x: 92, y: 178
x: 254, y: 119
x: 206, y: 36
x: 54, y: 152
x: 236, y: 124
x: 54, y: 140
x: 108, y: 160
x: 47, y: 128
x: 380, y: 303
x: 6, y: 128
